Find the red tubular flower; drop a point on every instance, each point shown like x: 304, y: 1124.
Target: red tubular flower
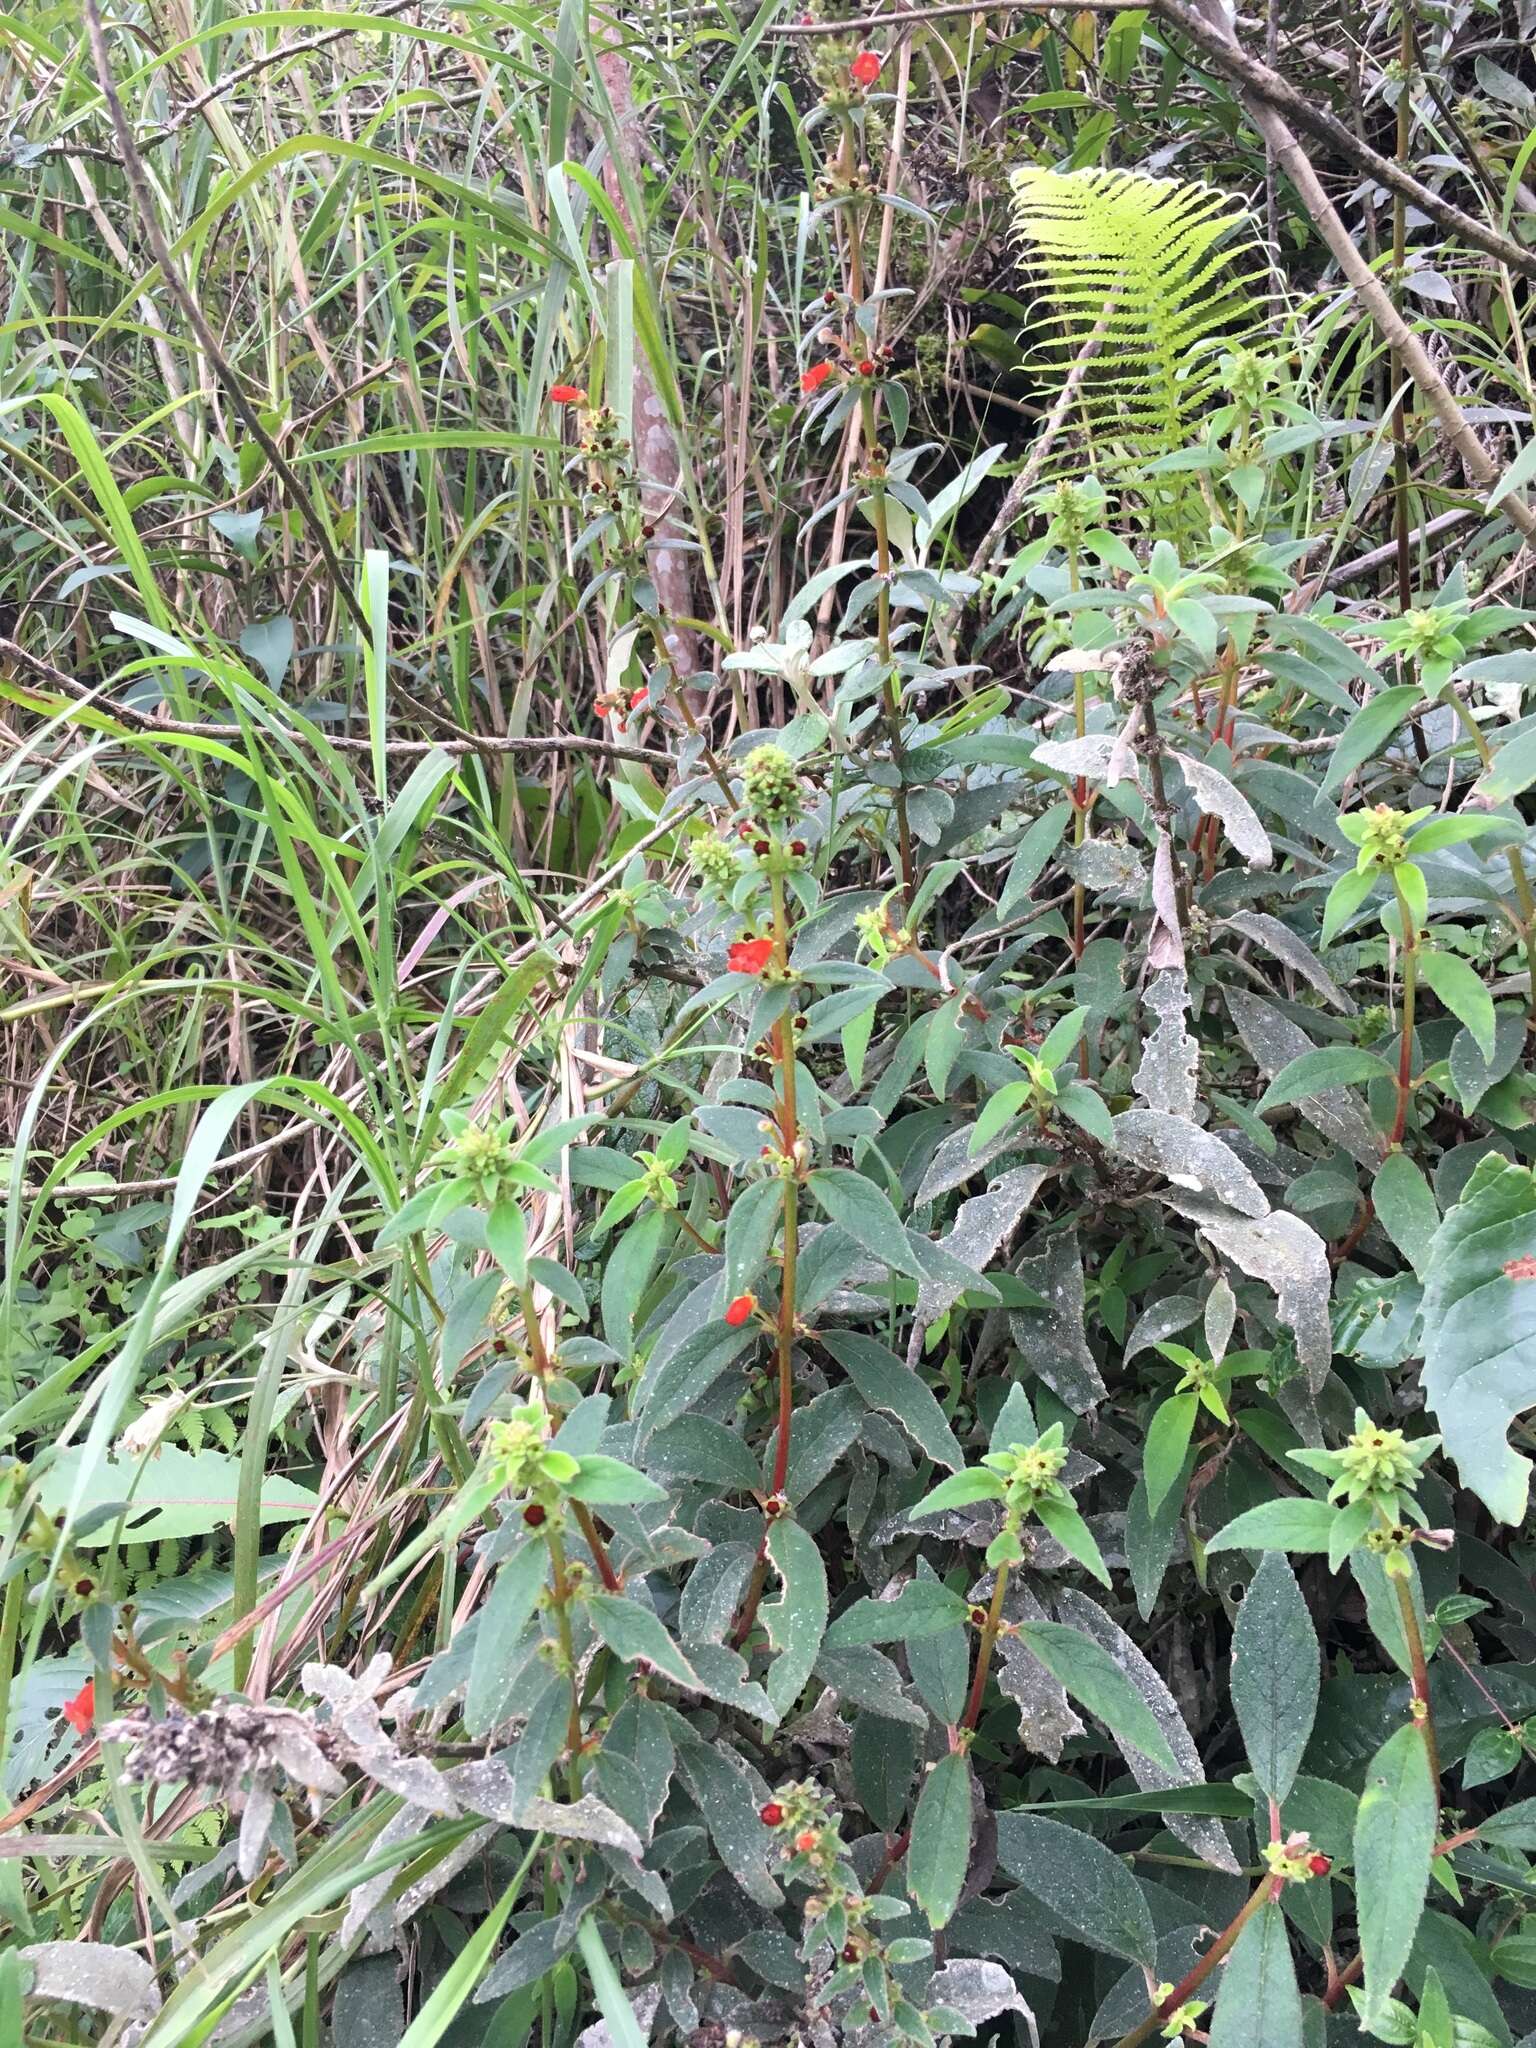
x: 865, y: 68
x: 771, y: 1815
x: 80, y: 1712
x: 566, y: 394
x: 815, y: 377
x: 749, y: 956
x: 740, y: 1309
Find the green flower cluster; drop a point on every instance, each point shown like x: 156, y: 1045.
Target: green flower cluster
x: 771, y: 789
x: 1376, y: 1468
x: 486, y: 1157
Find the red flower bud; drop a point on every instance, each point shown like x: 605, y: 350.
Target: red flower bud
x: 865, y: 68
x: 1319, y: 1865
x: 866, y: 367
x: 535, y: 1515
x: 815, y: 377
x: 749, y: 956
x: 771, y: 1815
x: 738, y: 1311
x: 566, y: 394
x: 850, y: 1953
x: 80, y: 1712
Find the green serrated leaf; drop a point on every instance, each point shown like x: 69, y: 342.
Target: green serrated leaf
x: 1394, y: 1842
x: 1275, y: 1675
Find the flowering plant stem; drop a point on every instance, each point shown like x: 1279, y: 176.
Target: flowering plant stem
x: 789, y: 1140
x: 789, y: 1136
x: 1410, y: 992
x: 560, y: 1573
x: 990, y: 1629
x: 890, y: 701
x: 1188, y: 1985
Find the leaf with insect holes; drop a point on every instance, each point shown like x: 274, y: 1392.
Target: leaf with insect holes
x: 1479, y: 1330
x: 1189, y: 1157
x: 1224, y: 800
x: 940, y: 1849
x: 1288, y: 1256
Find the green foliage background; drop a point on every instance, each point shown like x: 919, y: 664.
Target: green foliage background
x: 765, y: 846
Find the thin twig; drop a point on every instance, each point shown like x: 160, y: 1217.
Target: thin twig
x: 1216, y: 42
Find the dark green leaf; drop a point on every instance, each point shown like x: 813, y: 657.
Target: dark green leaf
x: 520, y: 1579
x: 940, y: 1849
x: 1326, y: 1066
x: 1275, y: 1675
x: 922, y: 1608
x: 1095, y: 1681
x: 1394, y: 1841
x: 632, y: 1631
x: 1078, y: 1881
x: 1258, y: 2005
x: 797, y: 1620
x: 884, y: 1382
x: 856, y: 1205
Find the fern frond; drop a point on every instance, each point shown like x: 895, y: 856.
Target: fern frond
x: 1154, y: 279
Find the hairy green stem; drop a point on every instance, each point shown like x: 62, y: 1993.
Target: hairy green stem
x: 989, y: 1633
x: 1410, y: 994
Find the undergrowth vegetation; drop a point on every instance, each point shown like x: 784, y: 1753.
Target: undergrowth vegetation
x: 766, y: 902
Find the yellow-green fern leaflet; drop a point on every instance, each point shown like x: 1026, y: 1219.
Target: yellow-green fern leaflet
x: 1151, y: 279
